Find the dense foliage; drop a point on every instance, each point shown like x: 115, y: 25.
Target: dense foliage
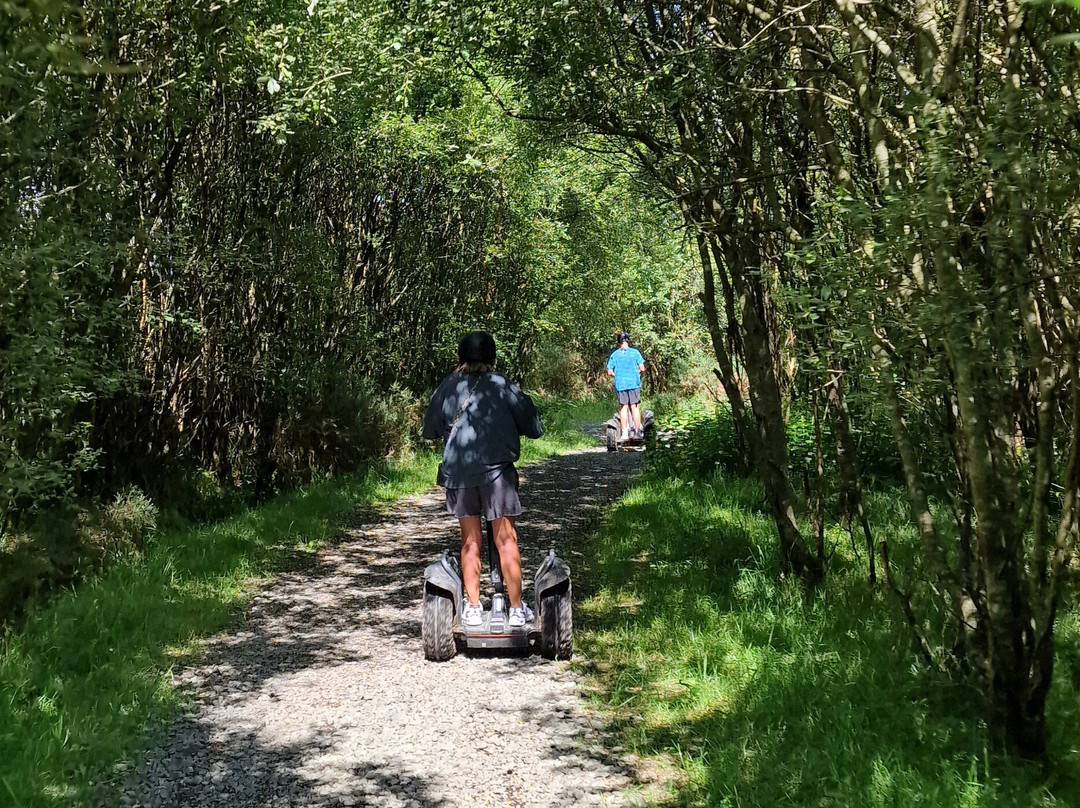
x: 244, y: 236
x: 241, y: 240
x: 885, y: 203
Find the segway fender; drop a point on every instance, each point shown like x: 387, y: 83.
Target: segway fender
x: 614, y: 423
x: 553, y: 572
x: 443, y: 574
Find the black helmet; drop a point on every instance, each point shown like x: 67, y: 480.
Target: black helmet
x: 476, y: 348
x: 623, y: 337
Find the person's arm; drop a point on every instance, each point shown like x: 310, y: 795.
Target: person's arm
x: 526, y: 416
x: 434, y: 421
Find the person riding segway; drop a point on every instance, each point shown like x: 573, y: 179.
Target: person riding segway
x: 628, y: 427
x: 481, y: 415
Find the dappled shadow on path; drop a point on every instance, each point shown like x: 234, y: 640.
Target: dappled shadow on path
x: 322, y: 697
x: 209, y: 768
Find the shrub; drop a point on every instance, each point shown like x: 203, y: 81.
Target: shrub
x: 560, y: 372
x: 127, y: 523
x: 702, y: 441
x: 696, y: 443
x: 44, y: 554
x: 25, y: 571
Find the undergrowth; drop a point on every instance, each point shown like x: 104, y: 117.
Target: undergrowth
x: 743, y: 690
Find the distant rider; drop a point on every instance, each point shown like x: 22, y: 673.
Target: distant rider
x: 481, y: 415
x: 625, y: 365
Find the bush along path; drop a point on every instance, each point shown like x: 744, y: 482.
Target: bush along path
x: 323, y: 697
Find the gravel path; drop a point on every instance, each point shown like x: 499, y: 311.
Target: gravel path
x: 324, y: 697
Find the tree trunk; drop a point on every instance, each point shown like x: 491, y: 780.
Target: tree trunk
x: 795, y: 555
x: 725, y: 371
x: 848, y: 463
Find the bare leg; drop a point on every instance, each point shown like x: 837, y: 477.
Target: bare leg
x: 636, y: 412
x: 509, y: 557
x: 624, y: 417
x: 470, y: 557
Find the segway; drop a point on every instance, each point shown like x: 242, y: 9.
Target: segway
x: 613, y: 433
x: 444, y: 595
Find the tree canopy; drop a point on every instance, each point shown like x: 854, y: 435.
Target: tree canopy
x: 244, y: 237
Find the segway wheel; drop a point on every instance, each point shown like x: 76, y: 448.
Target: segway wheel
x: 557, y: 623
x: 650, y: 436
x: 437, y: 625
x: 610, y: 438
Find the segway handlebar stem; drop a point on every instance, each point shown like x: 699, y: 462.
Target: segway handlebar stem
x: 496, y: 562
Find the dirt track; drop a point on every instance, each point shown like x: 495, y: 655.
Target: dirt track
x: 324, y: 698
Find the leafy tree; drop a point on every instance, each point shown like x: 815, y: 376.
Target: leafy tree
x: 244, y: 239
x: 933, y: 150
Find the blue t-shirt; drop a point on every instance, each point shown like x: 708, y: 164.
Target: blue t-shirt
x: 625, y: 362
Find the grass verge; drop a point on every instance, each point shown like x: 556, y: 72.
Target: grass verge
x: 562, y: 426
x: 84, y: 677
x: 743, y: 691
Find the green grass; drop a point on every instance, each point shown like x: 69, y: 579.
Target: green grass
x: 561, y: 419
x: 735, y: 684
x: 86, y: 674
x: 84, y: 677
x: 747, y: 692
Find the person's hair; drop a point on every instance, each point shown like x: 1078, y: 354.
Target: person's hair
x: 475, y: 367
x: 623, y: 337
x: 476, y: 353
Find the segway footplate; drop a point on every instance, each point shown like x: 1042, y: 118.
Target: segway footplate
x: 496, y: 636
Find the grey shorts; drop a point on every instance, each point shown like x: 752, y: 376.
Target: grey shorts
x: 494, y: 500
x: 629, y: 396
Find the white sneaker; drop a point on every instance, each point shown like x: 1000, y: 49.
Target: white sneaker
x: 473, y: 615
x: 520, y: 615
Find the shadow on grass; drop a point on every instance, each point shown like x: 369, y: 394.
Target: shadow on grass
x: 759, y: 695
